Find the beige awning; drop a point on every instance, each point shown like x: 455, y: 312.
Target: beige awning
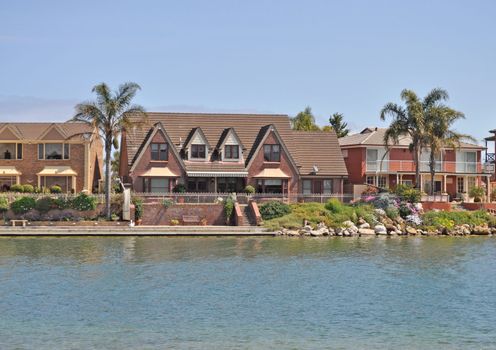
x: 159, y: 172
x: 57, y: 171
x: 9, y: 171
x: 274, y: 173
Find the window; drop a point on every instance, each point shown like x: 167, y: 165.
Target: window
x: 381, y: 181
x: 273, y: 186
x: 10, y: 150
x: 231, y: 152
x: 198, y: 151
x: 53, y: 151
x: 159, y: 185
x: 159, y: 151
x: 197, y: 184
x: 307, y: 186
x: 372, y: 159
x: 460, y: 185
x: 229, y: 184
x: 272, y: 153
x: 407, y: 182
x: 471, y: 182
x: 328, y: 186
x: 370, y: 180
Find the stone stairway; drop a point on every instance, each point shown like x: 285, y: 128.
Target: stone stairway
x: 248, y: 219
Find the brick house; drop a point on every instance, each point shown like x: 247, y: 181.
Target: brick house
x: 47, y: 154
x: 226, y: 152
x: 369, y: 162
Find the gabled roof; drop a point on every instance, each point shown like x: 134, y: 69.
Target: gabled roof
x: 192, y: 134
x: 149, y: 136
x: 36, y: 131
x: 375, y: 137
x: 320, y: 149
x: 225, y: 134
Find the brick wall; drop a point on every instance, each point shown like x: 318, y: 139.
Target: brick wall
x: 157, y: 214
x: 355, y: 163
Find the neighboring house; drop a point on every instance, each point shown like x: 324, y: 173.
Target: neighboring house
x: 47, y: 154
x: 491, y: 155
x: 225, y: 152
x: 369, y: 162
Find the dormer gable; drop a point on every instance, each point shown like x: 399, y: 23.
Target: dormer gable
x: 53, y: 133
x: 196, y: 146
x: 230, y: 147
x: 9, y: 133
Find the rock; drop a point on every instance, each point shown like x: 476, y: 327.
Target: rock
x: 348, y: 223
x: 481, y: 230
x: 322, y: 231
x: 366, y: 231
x: 390, y: 227
x: 410, y: 230
x: 365, y: 225
x: 493, y: 230
x: 380, y: 230
x: 400, y: 233
x: 361, y: 222
x: 380, y: 212
x: 331, y: 232
x: 346, y: 233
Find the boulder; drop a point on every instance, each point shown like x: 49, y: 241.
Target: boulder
x: 380, y: 230
x: 348, y: 223
x: 390, y: 227
x: 365, y: 225
x: 410, y: 230
x: 366, y: 231
x: 481, y: 230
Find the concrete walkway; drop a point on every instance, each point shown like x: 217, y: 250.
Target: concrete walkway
x: 134, y: 231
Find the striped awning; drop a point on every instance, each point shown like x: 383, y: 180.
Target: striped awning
x: 57, y: 171
x: 159, y: 172
x: 272, y: 173
x: 217, y: 174
x: 9, y: 171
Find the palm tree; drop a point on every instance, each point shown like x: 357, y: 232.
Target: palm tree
x: 410, y: 121
x: 305, y: 121
x: 110, y: 113
x: 439, y: 134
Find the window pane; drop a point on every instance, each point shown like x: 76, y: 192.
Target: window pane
x: 228, y: 154
x: 40, y: 151
x: 307, y: 186
x: 201, y: 151
x: 53, y: 151
x: 164, y: 154
x: 19, y: 151
x: 276, y: 154
x: 7, y: 150
x: 327, y: 186
x: 267, y: 152
x: 159, y: 185
x: 66, y: 151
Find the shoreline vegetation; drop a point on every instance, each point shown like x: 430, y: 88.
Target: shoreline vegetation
x: 389, y: 214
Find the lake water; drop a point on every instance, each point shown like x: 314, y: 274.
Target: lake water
x: 247, y: 293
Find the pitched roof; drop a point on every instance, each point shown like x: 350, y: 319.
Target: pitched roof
x: 317, y: 148
x: 375, y: 137
x: 34, y: 131
x: 306, y: 148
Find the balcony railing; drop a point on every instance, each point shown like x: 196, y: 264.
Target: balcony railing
x: 442, y: 166
x: 491, y: 158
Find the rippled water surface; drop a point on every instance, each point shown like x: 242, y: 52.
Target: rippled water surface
x: 247, y: 293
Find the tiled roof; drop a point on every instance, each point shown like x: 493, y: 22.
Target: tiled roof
x: 375, y: 137
x: 307, y: 149
x: 33, y: 131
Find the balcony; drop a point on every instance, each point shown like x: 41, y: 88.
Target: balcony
x: 408, y: 166
x: 491, y: 158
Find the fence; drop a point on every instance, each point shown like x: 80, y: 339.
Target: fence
x: 242, y: 198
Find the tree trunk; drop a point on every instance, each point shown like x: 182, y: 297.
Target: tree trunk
x: 108, y: 185
x: 416, y: 158
x: 432, y: 168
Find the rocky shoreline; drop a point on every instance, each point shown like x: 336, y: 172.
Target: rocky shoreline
x: 387, y: 227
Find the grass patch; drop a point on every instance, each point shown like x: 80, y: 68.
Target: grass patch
x: 444, y: 219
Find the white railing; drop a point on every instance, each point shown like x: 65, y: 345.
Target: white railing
x: 435, y: 198
x: 409, y: 166
x: 242, y: 198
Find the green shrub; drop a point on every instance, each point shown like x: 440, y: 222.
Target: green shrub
x: 17, y: 188
x: 179, y: 188
x: 62, y: 203
x: 4, y: 204
x: 23, y: 205
x: 408, y: 194
x: 274, y: 209
x: 472, y: 218
x: 228, y: 208
x: 138, y: 208
x: 83, y: 202
x: 493, y: 195
x: 392, y: 212
x: 43, y: 205
x: 27, y: 188
x: 249, y: 189
x: 55, y: 189
x: 334, y: 206
x: 477, y: 193
x: 167, y: 202
x: 404, y: 210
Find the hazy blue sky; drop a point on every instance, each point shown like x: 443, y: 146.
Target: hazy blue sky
x: 249, y: 56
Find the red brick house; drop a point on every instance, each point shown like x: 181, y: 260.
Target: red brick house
x: 369, y: 162
x: 47, y: 154
x: 225, y: 152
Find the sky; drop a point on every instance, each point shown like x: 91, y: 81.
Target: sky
x: 251, y: 56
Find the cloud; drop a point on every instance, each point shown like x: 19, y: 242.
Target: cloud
x: 28, y: 108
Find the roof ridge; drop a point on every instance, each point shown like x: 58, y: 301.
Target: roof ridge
x: 222, y: 114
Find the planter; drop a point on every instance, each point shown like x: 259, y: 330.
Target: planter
x: 138, y: 222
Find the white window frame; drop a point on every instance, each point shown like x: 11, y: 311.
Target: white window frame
x: 16, y: 149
